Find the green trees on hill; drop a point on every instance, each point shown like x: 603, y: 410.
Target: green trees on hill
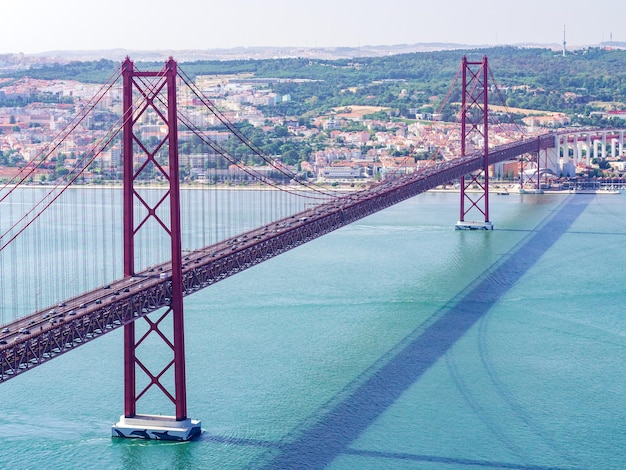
x: 532, y: 78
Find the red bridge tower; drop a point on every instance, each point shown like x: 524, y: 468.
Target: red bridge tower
x: 153, y: 93
x: 475, y: 138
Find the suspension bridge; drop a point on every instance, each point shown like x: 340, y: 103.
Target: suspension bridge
x: 97, y: 251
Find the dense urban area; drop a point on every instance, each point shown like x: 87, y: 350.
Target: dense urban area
x: 341, y: 122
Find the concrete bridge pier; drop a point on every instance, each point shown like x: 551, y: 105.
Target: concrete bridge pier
x: 561, y: 149
x: 550, y: 160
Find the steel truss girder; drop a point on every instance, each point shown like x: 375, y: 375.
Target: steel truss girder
x: 116, y: 311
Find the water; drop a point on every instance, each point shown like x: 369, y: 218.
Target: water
x: 79, y: 238
x: 393, y: 343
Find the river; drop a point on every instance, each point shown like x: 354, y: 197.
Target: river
x: 393, y: 343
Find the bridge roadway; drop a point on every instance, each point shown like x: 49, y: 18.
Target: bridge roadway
x: 39, y: 337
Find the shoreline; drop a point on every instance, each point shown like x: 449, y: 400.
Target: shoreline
x: 199, y: 187
x: 495, y: 190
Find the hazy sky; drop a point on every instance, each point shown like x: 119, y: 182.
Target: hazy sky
x: 32, y: 26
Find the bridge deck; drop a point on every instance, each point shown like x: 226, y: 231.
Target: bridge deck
x: 37, y: 338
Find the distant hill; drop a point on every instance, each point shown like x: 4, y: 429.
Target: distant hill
x: 262, y: 53
x: 404, y: 78
x: 259, y: 53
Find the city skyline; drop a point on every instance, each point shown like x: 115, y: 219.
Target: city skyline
x: 41, y: 26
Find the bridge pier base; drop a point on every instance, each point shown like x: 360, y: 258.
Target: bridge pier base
x: 473, y: 225
x: 164, y: 428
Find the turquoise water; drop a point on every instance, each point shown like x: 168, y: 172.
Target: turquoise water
x: 393, y: 343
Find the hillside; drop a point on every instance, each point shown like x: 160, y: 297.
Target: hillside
x: 528, y: 78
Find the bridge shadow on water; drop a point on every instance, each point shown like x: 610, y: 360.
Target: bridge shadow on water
x: 331, y: 433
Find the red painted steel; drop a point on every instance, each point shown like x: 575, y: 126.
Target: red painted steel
x: 177, y: 258
x: 128, y: 69
x: 463, y: 133
x: 149, y: 88
x: 475, y: 121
